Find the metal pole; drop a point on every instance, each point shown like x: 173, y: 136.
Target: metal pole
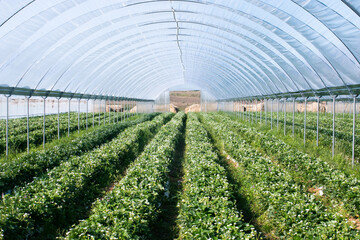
x: 117, y: 111
x: 87, y: 111
x: 44, y: 124
x: 27, y: 124
x: 58, y: 117
x: 105, y: 112
x: 256, y: 111
x: 333, y: 136
x: 277, y: 118
x: 272, y: 100
x: 343, y: 109
x: 7, y: 126
x: 109, y: 102
x: 252, y: 113
x: 353, y: 140
x: 265, y: 108
x: 260, y: 111
x: 114, y: 120
x: 305, y: 121
x: 69, y: 117
x: 317, y: 121
x: 293, y: 120
x: 79, y: 115
x: 284, y: 108
x: 93, y: 123
x: 100, y: 112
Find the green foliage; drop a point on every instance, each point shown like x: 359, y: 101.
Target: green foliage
x: 129, y: 209
x: 61, y: 197
x: 24, y: 168
x: 285, y: 207
x: 206, y: 209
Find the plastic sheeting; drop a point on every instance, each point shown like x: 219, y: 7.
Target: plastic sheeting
x: 141, y: 48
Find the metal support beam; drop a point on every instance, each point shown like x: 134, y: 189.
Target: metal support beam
x: 109, y: 102
x: 333, y: 135
x: 7, y: 127
x: 284, y: 108
x: 277, y: 118
x: 79, y: 115
x: 293, y: 120
x: 58, y: 117
x: 105, y: 112
x: 353, y: 140
x: 27, y: 124
x: 272, y: 101
x: 69, y: 117
x: 87, y: 112
x: 256, y: 111
x: 44, y: 119
x: 93, y: 123
x: 100, y: 112
x: 317, y: 121
x: 265, y: 108
x: 305, y: 121
x: 260, y: 112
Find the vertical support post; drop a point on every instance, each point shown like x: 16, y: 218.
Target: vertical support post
x: 27, y: 124
x: 109, y: 102
x: 317, y: 121
x: 58, y: 117
x: 87, y: 112
x: 265, y: 108
x: 104, y: 112
x: 284, y: 108
x: 344, y: 109
x: 99, y: 112
x: 44, y: 127
x: 293, y: 120
x: 272, y: 101
x: 117, y: 111
x: 114, y: 112
x: 277, y: 118
x: 69, y: 118
x: 256, y: 111
x: 333, y: 135
x: 252, y: 113
x: 260, y: 111
x: 93, y: 123
x: 353, y: 140
x: 79, y: 115
x: 305, y: 120
x: 7, y: 127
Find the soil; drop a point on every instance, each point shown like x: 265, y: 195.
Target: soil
x: 184, y: 99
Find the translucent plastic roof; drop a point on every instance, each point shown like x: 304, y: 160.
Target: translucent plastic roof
x: 229, y: 48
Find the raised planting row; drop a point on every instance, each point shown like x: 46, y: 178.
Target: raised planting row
x: 19, y: 125
x: 18, y: 141
x: 207, y: 210
x: 314, y: 172
x: 58, y: 199
x: 128, y: 211
x: 24, y: 168
x: 284, y: 207
x: 343, y: 140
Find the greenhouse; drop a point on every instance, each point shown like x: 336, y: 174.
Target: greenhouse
x: 179, y: 119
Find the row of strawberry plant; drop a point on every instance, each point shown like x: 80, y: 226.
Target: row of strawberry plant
x: 285, y: 208
x: 24, y: 168
x: 206, y: 208
x: 18, y: 142
x: 336, y: 184
x: 343, y: 140
x: 19, y: 126
x: 129, y: 209
x: 59, y: 198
